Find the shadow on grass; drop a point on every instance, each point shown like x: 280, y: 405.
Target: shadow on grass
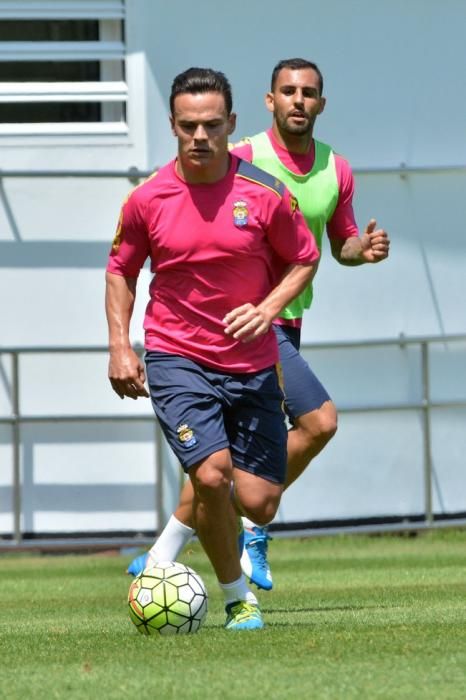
x: 325, y: 609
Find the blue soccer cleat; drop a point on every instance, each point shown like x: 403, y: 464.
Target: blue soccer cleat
x: 138, y: 564
x: 243, y: 616
x: 254, y: 558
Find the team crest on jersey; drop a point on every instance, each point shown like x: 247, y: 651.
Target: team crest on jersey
x: 186, y: 435
x: 293, y: 204
x: 240, y: 213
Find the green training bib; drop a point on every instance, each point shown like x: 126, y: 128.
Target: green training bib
x: 316, y: 191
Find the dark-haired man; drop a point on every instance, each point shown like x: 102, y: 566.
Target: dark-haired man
x: 230, y: 250
x: 323, y: 184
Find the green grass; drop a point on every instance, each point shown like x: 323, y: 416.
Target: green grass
x: 349, y: 617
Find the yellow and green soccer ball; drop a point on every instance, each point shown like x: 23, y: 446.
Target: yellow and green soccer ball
x: 169, y: 598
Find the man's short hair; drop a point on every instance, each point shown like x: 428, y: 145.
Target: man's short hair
x: 195, y: 80
x: 296, y: 64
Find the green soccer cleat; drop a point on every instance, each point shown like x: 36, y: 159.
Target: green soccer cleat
x: 243, y: 616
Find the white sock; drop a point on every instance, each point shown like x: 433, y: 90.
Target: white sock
x: 248, y: 523
x: 238, y: 590
x: 171, y: 541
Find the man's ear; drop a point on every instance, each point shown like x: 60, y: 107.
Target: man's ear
x: 172, y: 124
x: 231, y: 123
x: 269, y: 101
x: 323, y: 102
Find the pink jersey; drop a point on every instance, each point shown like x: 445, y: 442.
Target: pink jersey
x: 342, y: 224
x: 213, y: 248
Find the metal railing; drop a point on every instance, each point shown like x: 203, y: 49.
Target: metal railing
x: 135, y: 174
x: 17, y: 418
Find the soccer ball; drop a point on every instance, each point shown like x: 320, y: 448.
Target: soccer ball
x: 169, y: 598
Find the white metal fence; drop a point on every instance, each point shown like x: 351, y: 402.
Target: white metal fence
x: 17, y: 419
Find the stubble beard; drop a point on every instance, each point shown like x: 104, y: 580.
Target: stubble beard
x: 295, y: 129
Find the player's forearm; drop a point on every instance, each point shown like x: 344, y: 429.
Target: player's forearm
x: 119, y: 303
x: 348, y: 252
x: 294, y: 281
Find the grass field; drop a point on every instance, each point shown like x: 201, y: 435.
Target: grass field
x: 349, y: 617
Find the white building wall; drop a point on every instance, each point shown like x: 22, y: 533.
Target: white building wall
x: 393, y: 72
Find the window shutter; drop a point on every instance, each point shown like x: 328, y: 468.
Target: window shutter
x: 62, y: 67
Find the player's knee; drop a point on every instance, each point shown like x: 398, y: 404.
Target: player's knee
x: 212, y: 479
x: 319, y: 425
x: 328, y: 422
x: 262, y: 513
x: 263, y: 518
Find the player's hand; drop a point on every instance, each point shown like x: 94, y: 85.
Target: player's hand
x: 246, y: 323
x: 375, y: 243
x: 126, y: 374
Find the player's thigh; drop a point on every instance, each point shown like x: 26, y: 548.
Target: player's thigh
x: 188, y: 407
x: 255, y: 424
x: 303, y: 390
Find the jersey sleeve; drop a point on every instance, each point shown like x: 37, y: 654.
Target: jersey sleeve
x: 130, y: 247
x: 342, y: 224
x: 289, y: 235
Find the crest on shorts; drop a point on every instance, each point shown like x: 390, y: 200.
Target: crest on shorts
x: 186, y: 435
x: 240, y: 213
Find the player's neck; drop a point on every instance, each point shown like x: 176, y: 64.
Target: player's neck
x: 294, y: 143
x: 202, y: 175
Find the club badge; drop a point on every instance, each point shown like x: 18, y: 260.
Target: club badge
x: 240, y: 213
x: 186, y: 435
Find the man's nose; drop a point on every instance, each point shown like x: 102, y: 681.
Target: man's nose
x: 299, y: 97
x: 200, y: 133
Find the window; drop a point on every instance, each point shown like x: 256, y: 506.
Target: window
x: 62, y: 67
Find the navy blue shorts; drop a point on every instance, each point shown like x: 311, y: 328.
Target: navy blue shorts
x: 303, y: 391
x: 202, y: 410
